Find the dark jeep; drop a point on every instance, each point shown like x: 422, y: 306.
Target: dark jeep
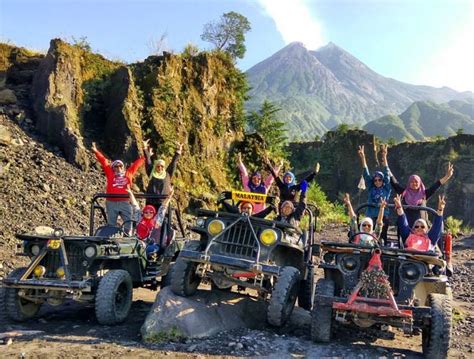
x: 271, y: 257
x: 386, y: 285
x: 101, y: 268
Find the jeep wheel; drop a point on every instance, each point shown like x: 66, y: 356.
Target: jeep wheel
x: 306, y: 292
x: 17, y: 308
x: 114, y: 297
x: 436, y: 336
x: 283, y: 296
x: 184, y: 280
x: 321, y: 315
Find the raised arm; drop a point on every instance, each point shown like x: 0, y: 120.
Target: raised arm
x: 104, y: 162
x: 402, y: 219
x: 348, y: 204
x: 270, y: 178
x: 244, y: 176
x: 435, y: 231
x: 448, y: 175
x: 172, y: 166
x: 383, y: 204
x: 278, y: 181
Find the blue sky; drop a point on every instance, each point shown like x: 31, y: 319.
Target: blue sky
x: 426, y: 42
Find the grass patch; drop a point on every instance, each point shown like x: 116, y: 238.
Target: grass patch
x: 172, y: 334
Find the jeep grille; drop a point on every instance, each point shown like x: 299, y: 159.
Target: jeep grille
x: 238, y: 241
x: 52, y: 262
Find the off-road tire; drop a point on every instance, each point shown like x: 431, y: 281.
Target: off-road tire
x: 321, y: 315
x: 437, y: 336
x: 114, y: 297
x: 306, y: 292
x: 184, y: 280
x: 166, y: 279
x: 16, y: 308
x: 284, y: 294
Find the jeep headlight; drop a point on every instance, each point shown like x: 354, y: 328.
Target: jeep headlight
x: 410, y: 272
x: 200, y: 222
x: 39, y: 271
x: 90, y: 251
x: 215, y: 227
x: 349, y: 263
x: 35, y: 249
x: 268, y: 237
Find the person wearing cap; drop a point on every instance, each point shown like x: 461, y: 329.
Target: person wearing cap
x: 159, y: 175
x: 118, y: 179
x: 378, y: 187
x: 254, y: 183
x: 288, y: 186
x: 418, y: 237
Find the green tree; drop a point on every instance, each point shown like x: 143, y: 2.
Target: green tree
x: 273, y: 132
x: 228, y: 34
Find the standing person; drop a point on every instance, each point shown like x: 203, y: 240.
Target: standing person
x: 254, y: 183
x: 160, y: 179
x: 418, y: 237
x: 288, y: 186
x: 118, y: 179
x: 378, y: 186
x: 415, y: 193
x: 366, y: 224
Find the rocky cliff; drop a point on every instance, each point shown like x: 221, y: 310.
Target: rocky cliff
x: 341, y: 169
x: 78, y: 97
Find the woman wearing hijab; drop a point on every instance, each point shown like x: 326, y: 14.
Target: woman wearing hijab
x: 159, y: 177
x: 378, y: 187
x: 288, y: 186
x: 415, y: 193
x: 254, y: 183
x: 418, y: 237
x: 366, y: 224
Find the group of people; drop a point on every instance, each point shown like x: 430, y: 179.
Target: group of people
x: 289, y: 211
x: 150, y: 218
x: 412, y: 228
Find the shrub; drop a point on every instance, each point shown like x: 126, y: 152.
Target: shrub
x: 328, y: 212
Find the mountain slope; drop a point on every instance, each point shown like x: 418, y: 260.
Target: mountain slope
x: 425, y: 119
x: 318, y: 90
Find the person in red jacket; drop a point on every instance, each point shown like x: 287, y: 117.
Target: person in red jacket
x: 118, y: 179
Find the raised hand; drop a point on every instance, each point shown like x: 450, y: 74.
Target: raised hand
x: 179, y: 150
x: 450, y: 170
x: 94, y: 147
x: 398, y: 201
x: 441, y: 202
x: 146, y: 143
x: 239, y: 157
x: 383, y: 202
x: 317, y: 167
x: 346, y: 199
x: 383, y: 149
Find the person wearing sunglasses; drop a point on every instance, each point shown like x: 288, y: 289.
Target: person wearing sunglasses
x: 366, y: 233
x: 378, y: 187
x: 149, y: 223
x: 118, y: 179
x: 159, y: 174
x: 419, y: 237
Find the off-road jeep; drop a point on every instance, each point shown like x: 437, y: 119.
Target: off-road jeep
x: 101, y: 268
x: 271, y: 257
x: 385, y: 285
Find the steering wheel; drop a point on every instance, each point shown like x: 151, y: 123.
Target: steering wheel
x: 128, y: 228
x: 353, y: 235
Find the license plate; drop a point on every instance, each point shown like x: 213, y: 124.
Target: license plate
x: 54, y: 243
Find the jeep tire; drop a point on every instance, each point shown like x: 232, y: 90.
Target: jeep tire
x: 306, y: 292
x: 184, y: 279
x: 114, y: 297
x: 321, y: 315
x: 284, y: 294
x: 436, y: 337
x: 17, y: 308
x: 166, y: 279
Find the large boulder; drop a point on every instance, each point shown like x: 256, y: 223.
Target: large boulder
x: 204, y: 314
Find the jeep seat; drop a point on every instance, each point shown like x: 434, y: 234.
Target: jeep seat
x: 107, y: 231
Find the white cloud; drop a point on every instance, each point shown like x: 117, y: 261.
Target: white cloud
x: 453, y: 66
x: 294, y: 21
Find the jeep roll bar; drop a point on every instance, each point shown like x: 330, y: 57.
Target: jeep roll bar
x: 420, y: 208
x: 95, y: 205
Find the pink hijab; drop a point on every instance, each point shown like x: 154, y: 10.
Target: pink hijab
x: 414, y: 197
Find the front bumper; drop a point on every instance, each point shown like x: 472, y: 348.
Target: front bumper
x: 84, y: 286
x: 235, y: 263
